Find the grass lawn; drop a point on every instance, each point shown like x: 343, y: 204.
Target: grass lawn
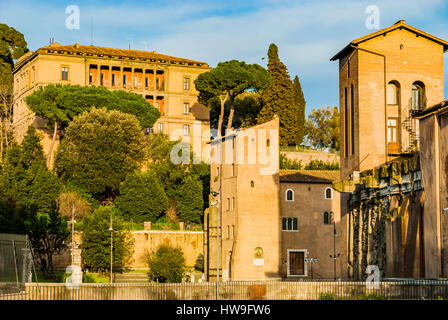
x: 95, y: 278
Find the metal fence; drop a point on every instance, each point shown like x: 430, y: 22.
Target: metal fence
x: 244, y: 290
x: 15, y: 266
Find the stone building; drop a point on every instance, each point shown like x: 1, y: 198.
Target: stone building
x: 271, y: 222
x: 308, y: 204
x: 385, y: 79
x: 166, y: 82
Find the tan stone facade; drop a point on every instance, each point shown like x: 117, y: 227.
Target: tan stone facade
x: 166, y: 82
x: 307, y: 200
x: 383, y: 78
x: 262, y: 234
x: 390, y: 204
x: 249, y: 206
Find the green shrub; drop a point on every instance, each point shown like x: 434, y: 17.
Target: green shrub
x: 167, y: 264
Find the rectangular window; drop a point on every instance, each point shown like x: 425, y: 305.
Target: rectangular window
x: 392, y: 135
x: 228, y: 204
x: 345, y: 123
x: 233, y: 232
x: 33, y: 74
x: 64, y: 73
x: 113, y: 79
x: 186, y: 83
x: 102, y: 79
x: 125, y: 78
x: 352, y: 118
x: 233, y: 169
x: 146, y: 83
x: 289, y: 224
x: 186, y: 130
x: 233, y: 203
x: 186, y: 108
x: 90, y: 77
x: 296, y: 263
x: 160, y: 127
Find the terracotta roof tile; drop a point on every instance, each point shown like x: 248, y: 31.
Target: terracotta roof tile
x: 93, y: 50
x: 309, y: 176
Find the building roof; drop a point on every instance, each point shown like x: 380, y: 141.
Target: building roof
x: 200, y: 112
x: 82, y: 50
x: 438, y: 108
x: 398, y: 25
x: 309, y: 176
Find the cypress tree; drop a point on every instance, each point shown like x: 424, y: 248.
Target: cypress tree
x: 300, y: 102
x: 279, y: 99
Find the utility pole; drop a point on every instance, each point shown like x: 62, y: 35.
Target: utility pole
x: 73, y: 234
x: 334, y: 256
x: 111, y: 249
x: 217, y: 203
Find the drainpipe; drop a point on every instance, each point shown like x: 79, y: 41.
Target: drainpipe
x: 385, y: 98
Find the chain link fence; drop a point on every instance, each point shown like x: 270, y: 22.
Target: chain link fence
x: 15, y: 265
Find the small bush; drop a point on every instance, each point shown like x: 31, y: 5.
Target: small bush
x: 199, y: 265
x: 167, y: 264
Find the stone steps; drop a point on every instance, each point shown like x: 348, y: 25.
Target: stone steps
x: 131, y: 278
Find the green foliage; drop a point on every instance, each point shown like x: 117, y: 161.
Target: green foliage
x: 12, y: 47
x: 25, y: 181
x: 99, y: 150
x: 142, y: 197
x: 370, y: 296
x: 247, y: 107
x: 322, y: 165
x: 167, y: 264
x: 95, y: 278
x: 172, y: 175
x: 299, y: 100
x: 288, y: 164
x: 199, y: 264
x: 228, y: 80
x: 189, y: 202
x: 61, y: 103
x: 280, y: 98
x: 322, y: 128
x: 95, y: 247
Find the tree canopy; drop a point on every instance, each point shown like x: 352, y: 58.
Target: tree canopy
x: 142, y: 197
x: 228, y: 80
x: 25, y: 180
x: 99, y: 150
x: 167, y: 264
x: 12, y: 47
x: 299, y: 100
x: 95, y: 246
x: 322, y: 128
x: 282, y: 99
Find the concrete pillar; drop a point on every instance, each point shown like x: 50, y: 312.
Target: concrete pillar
x: 182, y: 226
x: 147, y: 225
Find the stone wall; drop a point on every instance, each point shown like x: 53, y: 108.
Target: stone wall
x: 306, y: 157
x: 147, y: 241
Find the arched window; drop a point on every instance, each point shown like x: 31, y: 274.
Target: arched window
x: 328, y: 193
x: 393, y: 93
x: 418, y: 96
x: 252, y: 184
x: 289, y: 195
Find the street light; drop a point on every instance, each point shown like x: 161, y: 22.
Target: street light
x: 334, y: 256
x: 217, y: 203
x: 111, y: 229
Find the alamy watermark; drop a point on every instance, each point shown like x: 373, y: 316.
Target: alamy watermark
x: 72, y: 22
x: 250, y: 146
x: 373, y: 277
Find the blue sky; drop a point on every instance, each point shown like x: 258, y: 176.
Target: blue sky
x: 308, y: 33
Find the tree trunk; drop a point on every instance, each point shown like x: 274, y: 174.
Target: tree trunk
x: 50, y: 156
x: 230, y: 120
x: 221, y: 115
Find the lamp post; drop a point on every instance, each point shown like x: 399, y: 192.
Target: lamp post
x: 111, y: 249
x: 217, y: 203
x: 334, y: 256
